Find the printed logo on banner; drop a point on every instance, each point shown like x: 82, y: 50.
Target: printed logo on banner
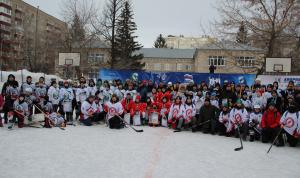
x: 213, y: 81
x: 188, y: 78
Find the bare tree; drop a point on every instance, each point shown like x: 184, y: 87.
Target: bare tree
x: 269, y: 22
x: 105, y: 25
x: 79, y: 15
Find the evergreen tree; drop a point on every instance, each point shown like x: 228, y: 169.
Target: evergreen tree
x: 126, y: 44
x: 160, y: 42
x: 77, y: 31
x: 242, y: 34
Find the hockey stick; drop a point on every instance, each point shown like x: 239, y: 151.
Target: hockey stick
x: 274, y: 140
x: 137, y: 130
x: 241, y: 147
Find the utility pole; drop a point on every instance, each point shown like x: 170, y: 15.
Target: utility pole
x: 36, y: 36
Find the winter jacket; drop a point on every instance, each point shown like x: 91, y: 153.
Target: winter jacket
x: 270, y: 119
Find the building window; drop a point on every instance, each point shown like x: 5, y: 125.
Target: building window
x: 245, y: 61
x: 168, y: 67
x: 157, y: 66
x: 95, y: 58
x: 184, y: 67
x: 216, y: 60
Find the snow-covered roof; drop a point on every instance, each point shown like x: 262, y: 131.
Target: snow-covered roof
x: 228, y: 45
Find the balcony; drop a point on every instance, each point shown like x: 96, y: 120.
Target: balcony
x: 5, y: 3
x: 5, y: 20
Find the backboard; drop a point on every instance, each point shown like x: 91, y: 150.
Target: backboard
x: 69, y: 59
x: 278, y: 65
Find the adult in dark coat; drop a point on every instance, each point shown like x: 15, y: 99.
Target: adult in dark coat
x: 207, y: 118
x: 9, y: 97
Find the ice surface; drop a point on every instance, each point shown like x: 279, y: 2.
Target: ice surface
x: 93, y: 152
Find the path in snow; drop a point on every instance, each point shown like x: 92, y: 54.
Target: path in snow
x: 93, y: 152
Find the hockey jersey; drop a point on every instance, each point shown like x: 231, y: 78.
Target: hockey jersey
x: 290, y: 122
x: 176, y: 111
x: 87, y: 109
x: 189, y: 112
x: 81, y: 94
x: 27, y: 85
x: 238, y: 116
x: 21, y: 108
x: 255, y: 118
x: 113, y: 109
x: 53, y: 94
x: 91, y: 91
x: 66, y: 96
x: 225, y: 119
x: 12, y: 92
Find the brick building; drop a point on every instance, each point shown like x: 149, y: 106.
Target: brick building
x: 30, y: 38
x: 228, y: 57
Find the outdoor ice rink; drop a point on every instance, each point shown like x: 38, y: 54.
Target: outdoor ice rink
x: 93, y: 152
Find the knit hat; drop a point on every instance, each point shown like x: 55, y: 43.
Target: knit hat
x: 239, y: 101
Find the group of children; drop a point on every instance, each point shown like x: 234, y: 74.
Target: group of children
x: 258, y: 111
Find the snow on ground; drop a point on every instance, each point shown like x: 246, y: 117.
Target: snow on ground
x: 94, y: 152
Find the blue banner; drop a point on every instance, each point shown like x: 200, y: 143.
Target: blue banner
x: 183, y: 77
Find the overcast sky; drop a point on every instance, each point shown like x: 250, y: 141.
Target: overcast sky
x: 168, y: 17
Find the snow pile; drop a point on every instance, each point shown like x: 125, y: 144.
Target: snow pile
x: 95, y: 152
x: 22, y: 74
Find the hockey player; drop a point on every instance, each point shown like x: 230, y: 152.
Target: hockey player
x: 53, y: 95
x: 114, y: 110
x: 258, y: 99
x: 255, y: 123
x: 1, y: 108
x: 270, y: 124
x: 131, y: 91
x: 88, y: 111
x: 82, y: 94
x: 10, y: 92
x: 66, y: 96
x: 189, y: 112
x: 40, y: 93
x: 152, y: 112
x: 28, y: 84
x: 92, y: 89
x: 98, y: 110
x: 175, y: 118
x: 225, y: 126
x: 289, y: 122
x: 20, y: 110
x: 164, y: 111
x: 239, y: 118
x: 127, y: 103
x: 214, y: 100
x: 246, y: 102
x: 138, y: 108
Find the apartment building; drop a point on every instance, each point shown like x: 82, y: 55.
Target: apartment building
x: 30, y: 37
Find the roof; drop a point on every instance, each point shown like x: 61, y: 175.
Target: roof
x: 167, y: 53
x: 228, y: 45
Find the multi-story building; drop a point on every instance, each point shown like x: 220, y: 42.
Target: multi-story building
x: 29, y: 37
x: 181, y: 42
x: 228, y: 57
